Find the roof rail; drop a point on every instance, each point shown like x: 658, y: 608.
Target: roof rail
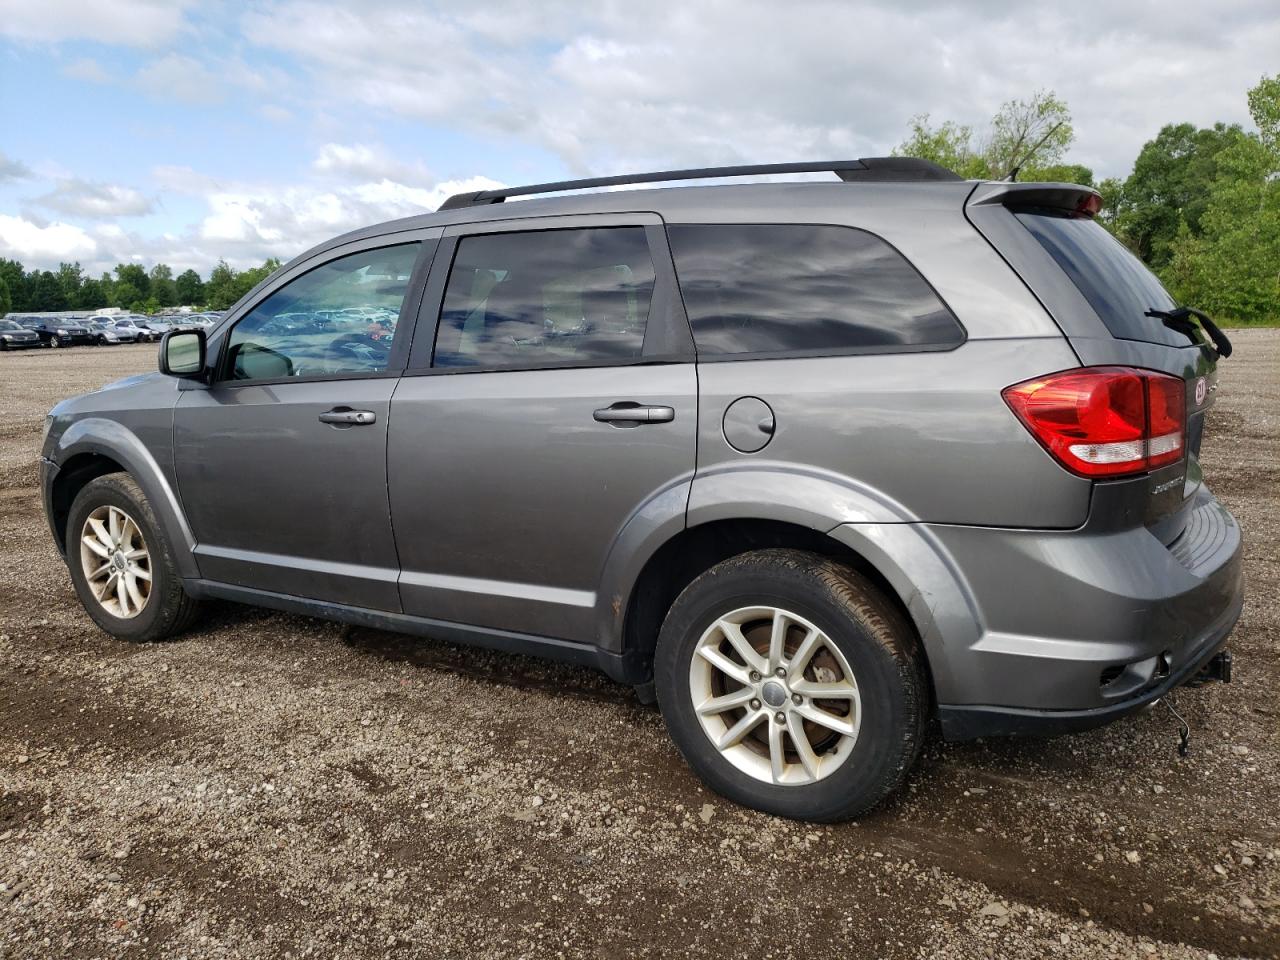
x: 868, y: 169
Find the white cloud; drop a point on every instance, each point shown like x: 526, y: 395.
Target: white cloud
x: 759, y: 80
x: 95, y: 201
x: 50, y: 244
x: 250, y: 222
x: 362, y: 161
x: 88, y: 70
x: 178, y: 77
x: 136, y: 23
x: 11, y: 169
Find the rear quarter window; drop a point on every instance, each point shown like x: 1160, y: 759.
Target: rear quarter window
x: 796, y: 289
x: 1117, y: 284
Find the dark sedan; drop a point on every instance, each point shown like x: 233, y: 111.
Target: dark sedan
x: 65, y: 333
x: 13, y: 336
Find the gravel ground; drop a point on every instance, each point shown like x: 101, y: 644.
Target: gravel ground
x: 275, y: 786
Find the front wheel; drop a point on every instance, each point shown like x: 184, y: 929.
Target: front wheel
x: 122, y: 566
x: 791, y: 685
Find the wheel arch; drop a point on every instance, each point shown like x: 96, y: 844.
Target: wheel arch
x: 693, y: 550
x: 94, y: 447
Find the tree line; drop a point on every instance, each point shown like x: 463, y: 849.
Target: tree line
x: 1201, y: 209
x: 130, y: 286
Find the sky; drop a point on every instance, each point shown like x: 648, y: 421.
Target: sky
x: 182, y: 132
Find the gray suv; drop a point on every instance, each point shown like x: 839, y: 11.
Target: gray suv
x: 812, y: 464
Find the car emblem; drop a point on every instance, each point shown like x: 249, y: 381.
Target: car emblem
x: 1202, y: 390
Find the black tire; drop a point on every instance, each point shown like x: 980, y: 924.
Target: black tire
x: 168, y: 610
x: 878, y: 644
x: 54, y: 342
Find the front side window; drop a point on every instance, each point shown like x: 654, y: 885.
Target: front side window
x: 339, y: 318
x: 794, y: 288
x: 546, y: 298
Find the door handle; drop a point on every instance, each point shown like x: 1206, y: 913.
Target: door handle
x: 346, y: 417
x: 629, y: 414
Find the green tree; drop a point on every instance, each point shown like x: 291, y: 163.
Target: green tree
x: 1232, y: 267
x: 134, y: 277
x: 125, y: 294
x: 1170, y: 185
x: 163, y: 289
x: 189, y: 288
x: 1111, y: 189
x: 46, y: 293
x: 6, y: 301
x: 1035, y: 132
x: 220, y: 291
x: 70, y: 276
x: 14, y: 276
x: 91, y: 295
x: 1030, y: 136
x: 1058, y: 173
x: 949, y: 145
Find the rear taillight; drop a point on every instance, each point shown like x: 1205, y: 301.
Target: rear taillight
x: 1104, y: 421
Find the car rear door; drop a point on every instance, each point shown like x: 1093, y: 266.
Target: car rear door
x: 556, y: 403
x: 281, y: 461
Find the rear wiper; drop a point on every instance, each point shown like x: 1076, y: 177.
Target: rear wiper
x: 1180, y: 319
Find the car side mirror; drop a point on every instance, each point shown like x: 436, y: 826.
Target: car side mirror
x: 182, y: 354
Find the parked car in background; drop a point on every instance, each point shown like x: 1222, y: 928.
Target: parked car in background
x: 157, y: 328
x: 14, y: 336
x: 104, y: 332
x: 132, y: 327
x: 64, y: 333
x: 815, y: 465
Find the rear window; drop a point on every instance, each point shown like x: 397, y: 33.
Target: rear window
x: 768, y: 289
x: 1117, y: 284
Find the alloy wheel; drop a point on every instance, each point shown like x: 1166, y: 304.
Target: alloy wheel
x: 116, y: 561
x: 775, y: 696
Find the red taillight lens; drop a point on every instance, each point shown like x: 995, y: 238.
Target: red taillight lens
x: 1104, y: 421
x: 1089, y: 205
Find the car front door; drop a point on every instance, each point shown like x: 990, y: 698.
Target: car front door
x: 281, y: 462
x: 559, y: 403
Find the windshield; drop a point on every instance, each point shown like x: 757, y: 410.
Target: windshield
x: 9, y: 325
x: 1117, y: 284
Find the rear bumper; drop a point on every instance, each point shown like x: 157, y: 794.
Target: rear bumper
x: 1080, y: 627
x: 970, y: 722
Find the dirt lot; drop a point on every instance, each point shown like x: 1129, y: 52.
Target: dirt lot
x: 274, y: 786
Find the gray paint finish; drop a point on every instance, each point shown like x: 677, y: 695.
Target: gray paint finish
x: 506, y: 478
x: 280, y: 501
x: 494, y: 507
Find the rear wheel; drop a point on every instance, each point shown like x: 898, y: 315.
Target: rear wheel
x: 122, y: 566
x: 792, y: 686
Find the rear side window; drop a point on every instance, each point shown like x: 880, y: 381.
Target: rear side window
x: 548, y: 298
x: 760, y: 289
x: 1115, y: 282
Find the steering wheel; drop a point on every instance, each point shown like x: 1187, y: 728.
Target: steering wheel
x: 356, y: 351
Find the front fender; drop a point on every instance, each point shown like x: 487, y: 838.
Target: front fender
x: 109, y: 438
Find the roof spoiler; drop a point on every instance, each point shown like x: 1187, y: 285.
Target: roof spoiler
x: 1066, y: 197
x: 868, y: 169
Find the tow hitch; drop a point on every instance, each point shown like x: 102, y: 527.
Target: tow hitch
x: 1218, y: 668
